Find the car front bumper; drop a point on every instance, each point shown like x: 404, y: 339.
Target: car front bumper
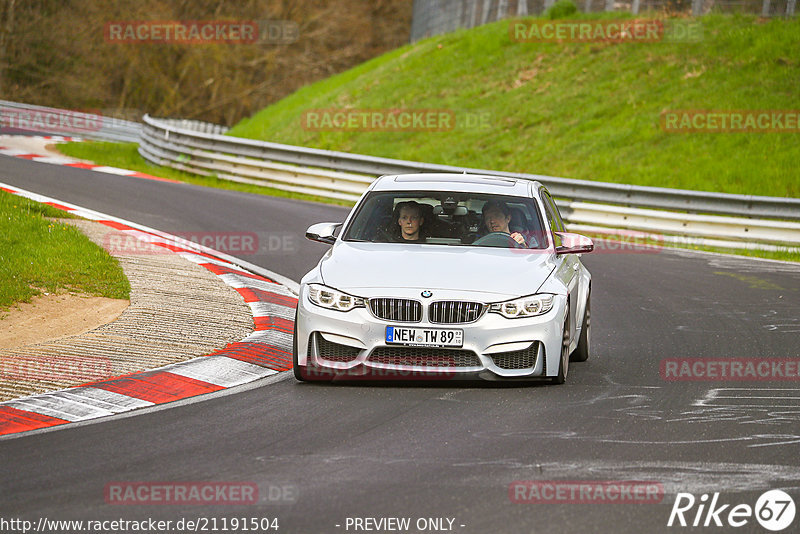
x: 352, y: 345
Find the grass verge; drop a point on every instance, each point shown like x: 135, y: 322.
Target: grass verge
x: 579, y: 110
x: 37, y: 254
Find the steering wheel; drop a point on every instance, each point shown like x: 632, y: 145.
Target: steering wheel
x: 497, y: 239
x: 383, y: 235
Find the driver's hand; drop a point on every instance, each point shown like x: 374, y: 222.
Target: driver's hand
x: 516, y: 236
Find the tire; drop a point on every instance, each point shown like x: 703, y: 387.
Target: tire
x: 563, y: 360
x: 581, y: 353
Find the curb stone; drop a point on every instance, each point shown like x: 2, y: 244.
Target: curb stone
x: 266, y: 351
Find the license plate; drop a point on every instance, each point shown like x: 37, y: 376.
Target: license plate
x: 424, y: 337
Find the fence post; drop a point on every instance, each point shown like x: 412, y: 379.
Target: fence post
x: 635, y: 7
x: 765, y: 8
x: 790, y: 8
x: 609, y: 5
x: 697, y: 7
x: 522, y: 8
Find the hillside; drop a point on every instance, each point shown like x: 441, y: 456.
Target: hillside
x: 61, y: 53
x: 577, y: 110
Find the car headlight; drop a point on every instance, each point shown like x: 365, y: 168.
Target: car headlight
x: 327, y: 297
x: 529, y: 306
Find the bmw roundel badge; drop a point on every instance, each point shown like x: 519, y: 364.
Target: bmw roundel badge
x: 426, y: 294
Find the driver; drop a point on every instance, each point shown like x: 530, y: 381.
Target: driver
x: 410, y: 219
x: 496, y: 216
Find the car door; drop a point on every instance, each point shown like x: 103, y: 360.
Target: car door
x: 567, y: 265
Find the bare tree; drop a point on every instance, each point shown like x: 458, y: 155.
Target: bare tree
x: 472, y: 12
x: 54, y: 52
x: 487, y: 5
x: 502, y: 9
x: 7, y: 24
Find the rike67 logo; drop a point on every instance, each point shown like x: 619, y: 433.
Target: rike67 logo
x: 774, y: 510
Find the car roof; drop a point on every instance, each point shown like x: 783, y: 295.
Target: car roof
x: 477, y: 183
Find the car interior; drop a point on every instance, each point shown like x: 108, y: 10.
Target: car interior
x: 449, y: 219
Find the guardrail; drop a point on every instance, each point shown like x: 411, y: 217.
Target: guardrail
x: 740, y: 221
x: 27, y: 118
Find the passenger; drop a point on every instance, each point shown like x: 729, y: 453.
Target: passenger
x: 410, y: 219
x: 497, y: 216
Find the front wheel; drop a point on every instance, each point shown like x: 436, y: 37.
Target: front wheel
x: 563, y: 362
x: 581, y: 353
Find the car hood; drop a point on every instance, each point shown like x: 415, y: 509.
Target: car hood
x: 369, y: 269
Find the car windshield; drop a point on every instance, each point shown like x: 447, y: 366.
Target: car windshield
x: 447, y: 218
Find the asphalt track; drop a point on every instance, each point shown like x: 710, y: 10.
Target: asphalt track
x: 445, y: 451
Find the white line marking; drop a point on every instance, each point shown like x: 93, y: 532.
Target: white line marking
x: 114, y: 170
x: 221, y: 371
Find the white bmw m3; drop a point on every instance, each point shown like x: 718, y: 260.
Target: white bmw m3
x: 445, y: 276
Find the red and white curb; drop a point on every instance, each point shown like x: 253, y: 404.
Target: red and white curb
x: 265, y: 352
x: 65, y: 161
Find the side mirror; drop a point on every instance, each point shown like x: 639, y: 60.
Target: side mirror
x: 573, y: 243
x: 323, y: 232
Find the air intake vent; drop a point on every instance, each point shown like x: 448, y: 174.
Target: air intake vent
x: 517, y: 359
x: 424, y: 357
x: 334, y: 352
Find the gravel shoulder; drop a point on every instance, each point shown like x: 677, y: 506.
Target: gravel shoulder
x: 178, y: 311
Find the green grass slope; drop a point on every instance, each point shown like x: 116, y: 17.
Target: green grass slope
x: 578, y: 110
x: 37, y: 253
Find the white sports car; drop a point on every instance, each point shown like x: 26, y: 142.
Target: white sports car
x: 442, y: 276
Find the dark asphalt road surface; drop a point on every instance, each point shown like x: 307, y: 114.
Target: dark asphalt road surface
x: 445, y: 451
